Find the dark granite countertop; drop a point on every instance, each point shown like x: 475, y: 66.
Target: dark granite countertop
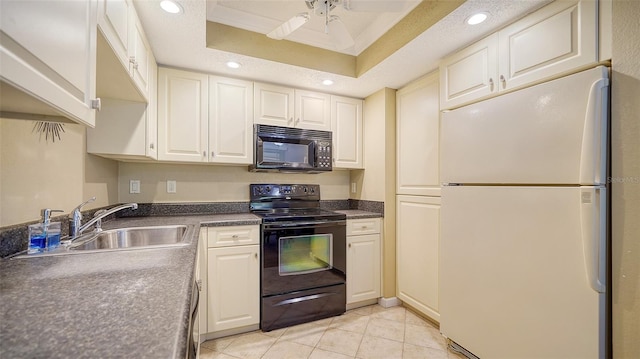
x: 358, y: 214
x: 131, y: 303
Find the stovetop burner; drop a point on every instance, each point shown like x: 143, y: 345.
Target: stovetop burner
x: 289, y: 202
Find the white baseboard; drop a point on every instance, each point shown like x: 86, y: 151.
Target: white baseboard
x: 389, y: 302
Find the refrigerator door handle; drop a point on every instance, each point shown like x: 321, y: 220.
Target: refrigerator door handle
x: 593, y: 217
x: 593, y: 158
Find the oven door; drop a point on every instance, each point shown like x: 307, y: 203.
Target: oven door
x: 301, y: 256
x: 274, y: 152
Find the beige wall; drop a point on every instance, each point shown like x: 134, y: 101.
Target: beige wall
x: 211, y: 183
x: 36, y: 174
x: 625, y: 188
x: 378, y: 181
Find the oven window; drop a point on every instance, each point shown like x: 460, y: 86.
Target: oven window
x: 305, y: 254
x: 282, y: 152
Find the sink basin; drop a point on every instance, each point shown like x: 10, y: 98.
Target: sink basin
x: 133, y: 237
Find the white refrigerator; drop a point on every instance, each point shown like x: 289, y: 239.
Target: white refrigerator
x: 524, y: 221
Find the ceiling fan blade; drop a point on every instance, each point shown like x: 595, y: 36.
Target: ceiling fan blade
x: 339, y: 33
x: 289, y: 26
x: 374, y: 5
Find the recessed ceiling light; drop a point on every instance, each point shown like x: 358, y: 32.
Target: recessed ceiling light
x: 327, y: 82
x: 233, y: 65
x: 171, y: 7
x: 475, y: 19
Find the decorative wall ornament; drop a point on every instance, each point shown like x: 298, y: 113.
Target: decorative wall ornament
x: 49, y: 129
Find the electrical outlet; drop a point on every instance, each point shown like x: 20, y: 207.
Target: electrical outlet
x: 171, y: 186
x: 354, y: 187
x: 134, y: 186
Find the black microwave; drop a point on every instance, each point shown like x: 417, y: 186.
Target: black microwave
x: 285, y: 149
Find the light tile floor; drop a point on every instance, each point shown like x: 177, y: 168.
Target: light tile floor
x: 364, y: 333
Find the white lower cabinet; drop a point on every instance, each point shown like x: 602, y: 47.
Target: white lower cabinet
x: 232, y: 299
x: 417, y: 248
x: 363, y: 259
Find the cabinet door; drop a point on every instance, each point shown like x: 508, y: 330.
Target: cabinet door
x: 555, y: 39
x: 418, y: 137
x: 230, y: 120
x: 139, y: 55
x: 418, y: 240
x: 152, y: 110
x: 363, y: 267
x: 114, y: 19
x: 273, y: 105
x: 470, y: 74
x: 234, y: 288
x: 182, y: 116
x: 313, y: 110
x: 48, y: 52
x: 346, y: 124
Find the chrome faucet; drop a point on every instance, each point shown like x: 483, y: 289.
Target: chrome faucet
x: 75, y: 218
x: 78, y: 227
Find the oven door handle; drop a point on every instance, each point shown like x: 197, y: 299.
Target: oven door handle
x: 271, y: 227
x: 303, y: 299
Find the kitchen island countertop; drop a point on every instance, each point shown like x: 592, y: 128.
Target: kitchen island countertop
x: 128, y: 303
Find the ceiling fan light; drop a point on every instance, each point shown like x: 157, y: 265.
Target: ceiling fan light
x: 339, y: 33
x: 288, y: 27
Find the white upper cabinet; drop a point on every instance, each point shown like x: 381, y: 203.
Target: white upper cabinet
x: 47, y: 59
x: 558, y: 39
x: 273, y: 105
x: 123, y: 32
x: 418, y: 138
x: 230, y: 120
x: 282, y: 106
x: 127, y: 130
x: 555, y: 39
x: 204, y: 118
x: 469, y: 74
x: 346, y: 124
x: 182, y: 116
x: 312, y: 110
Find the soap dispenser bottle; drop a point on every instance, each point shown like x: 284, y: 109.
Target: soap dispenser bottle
x: 45, y: 235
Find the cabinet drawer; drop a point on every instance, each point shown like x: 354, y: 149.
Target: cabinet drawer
x: 363, y: 226
x: 233, y: 236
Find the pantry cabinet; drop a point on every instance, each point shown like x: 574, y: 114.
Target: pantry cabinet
x: 417, y: 248
x: 363, y: 259
x: 346, y: 125
x: 282, y: 106
x: 418, y: 137
x: 233, y: 278
x: 47, y: 59
x: 204, y: 118
x: 555, y: 40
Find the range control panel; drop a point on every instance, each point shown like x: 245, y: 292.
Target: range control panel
x: 285, y: 191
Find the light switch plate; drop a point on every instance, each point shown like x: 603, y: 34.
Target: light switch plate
x: 171, y: 186
x: 134, y: 186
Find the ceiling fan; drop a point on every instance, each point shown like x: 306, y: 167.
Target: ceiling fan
x: 334, y: 27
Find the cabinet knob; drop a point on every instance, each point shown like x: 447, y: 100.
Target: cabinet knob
x: 255, y: 255
x: 213, y: 154
x: 503, y: 81
x: 135, y: 65
x: 235, y: 236
x: 151, y: 145
x: 204, y: 153
x: 349, y: 245
x: 363, y: 227
x: 96, y: 104
x: 132, y: 59
x: 491, y: 84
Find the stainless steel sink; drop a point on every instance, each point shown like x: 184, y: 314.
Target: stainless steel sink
x: 133, y: 237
